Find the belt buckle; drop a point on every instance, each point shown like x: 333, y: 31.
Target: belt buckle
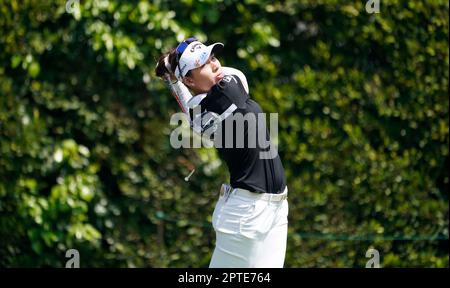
x: 278, y: 197
x: 222, y: 190
x: 225, y: 191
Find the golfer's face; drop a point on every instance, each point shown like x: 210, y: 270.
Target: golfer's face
x: 208, y: 75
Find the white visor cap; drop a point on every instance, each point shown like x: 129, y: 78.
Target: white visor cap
x: 195, y: 55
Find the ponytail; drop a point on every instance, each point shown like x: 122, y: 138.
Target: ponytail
x: 166, y: 64
x: 165, y: 68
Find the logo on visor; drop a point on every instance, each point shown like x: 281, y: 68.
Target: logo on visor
x: 197, y: 63
x: 204, y: 56
x: 199, y: 45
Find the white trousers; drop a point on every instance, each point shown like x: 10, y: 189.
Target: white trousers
x: 250, y: 233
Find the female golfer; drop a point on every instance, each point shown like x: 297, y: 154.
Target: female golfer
x: 250, y: 217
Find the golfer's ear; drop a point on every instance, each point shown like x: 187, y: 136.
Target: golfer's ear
x: 188, y: 81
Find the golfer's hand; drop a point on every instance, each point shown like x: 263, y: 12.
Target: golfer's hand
x: 170, y: 77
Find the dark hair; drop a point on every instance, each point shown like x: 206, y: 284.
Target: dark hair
x: 161, y: 69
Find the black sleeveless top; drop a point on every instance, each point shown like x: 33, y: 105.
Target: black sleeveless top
x: 230, y: 118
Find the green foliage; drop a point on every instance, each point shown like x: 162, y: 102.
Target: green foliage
x: 85, y: 160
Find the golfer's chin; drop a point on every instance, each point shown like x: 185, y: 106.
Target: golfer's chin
x: 218, y: 77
